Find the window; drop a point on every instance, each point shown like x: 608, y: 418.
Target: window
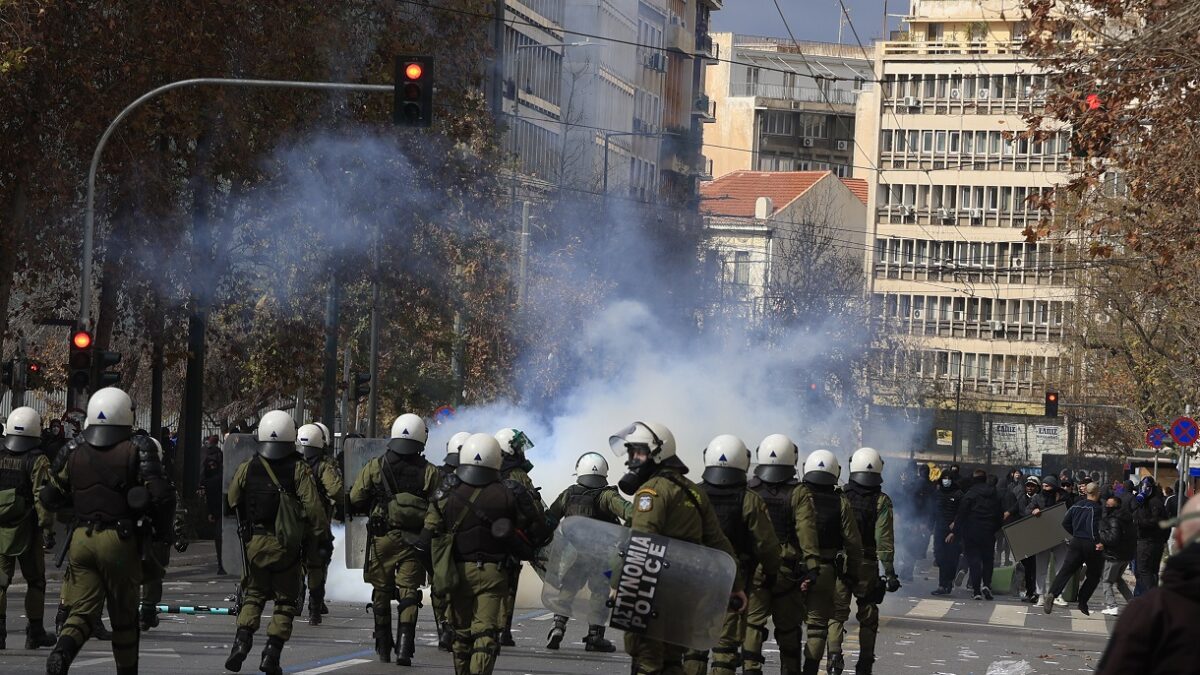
x: 778, y: 123
x: 741, y: 267
x: 813, y: 126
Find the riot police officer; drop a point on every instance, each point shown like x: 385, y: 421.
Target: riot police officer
x: 590, y: 497
x: 666, y: 503
x: 395, y: 490
x: 156, y: 557
x: 828, y: 536
x: 275, y: 498
x: 745, y: 522
x: 873, y: 513
x: 515, y: 466
x: 112, y: 478
x: 444, y: 632
x: 783, y: 604
x: 482, y: 523
x: 23, y: 472
x: 312, y: 442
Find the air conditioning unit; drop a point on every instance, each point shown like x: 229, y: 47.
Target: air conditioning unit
x: 945, y: 215
x: 983, y: 94
x: 996, y: 326
x: 807, y: 142
x: 906, y: 211
x: 1016, y: 261
x: 959, y: 315
x: 956, y: 93
x: 843, y: 145
x: 918, y: 315
x: 976, y: 215
x: 912, y: 102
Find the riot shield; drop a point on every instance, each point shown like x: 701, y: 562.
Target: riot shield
x: 1033, y: 534
x: 662, y: 588
x: 235, y: 451
x: 358, y: 452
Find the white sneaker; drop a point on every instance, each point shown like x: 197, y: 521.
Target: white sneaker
x: 1060, y: 602
x: 1111, y: 610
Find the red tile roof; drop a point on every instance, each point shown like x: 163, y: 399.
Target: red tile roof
x: 734, y: 194
x: 858, y: 186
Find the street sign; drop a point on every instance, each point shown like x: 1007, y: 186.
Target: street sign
x: 1185, y: 431
x: 1155, y: 437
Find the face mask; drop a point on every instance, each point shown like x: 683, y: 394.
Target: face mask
x: 639, y: 472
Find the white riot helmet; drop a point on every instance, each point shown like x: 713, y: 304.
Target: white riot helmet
x: 325, y: 433
x: 311, y: 441
x: 409, y: 434
x: 866, y: 467
x: 479, y: 460
x: 591, y: 470
x: 822, y: 468
x: 655, y: 438
x: 777, y: 456
x: 276, y: 435
x: 109, y: 418
x: 513, y: 441
x: 726, y: 460
x: 23, y: 430
x: 453, y: 446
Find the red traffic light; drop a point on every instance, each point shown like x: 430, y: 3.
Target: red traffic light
x: 33, y: 367
x: 414, y: 71
x: 1094, y: 101
x: 82, y: 339
x: 1052, y: 397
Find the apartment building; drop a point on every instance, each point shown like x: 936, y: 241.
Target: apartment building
x: 781, y: 106
x: 980, y: 312
x: 532, y: 87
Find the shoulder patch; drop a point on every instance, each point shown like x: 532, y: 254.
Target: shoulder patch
x: 644, y: 501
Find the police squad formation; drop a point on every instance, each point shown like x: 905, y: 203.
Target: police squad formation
x: 696, y: 575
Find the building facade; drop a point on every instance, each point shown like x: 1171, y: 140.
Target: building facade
x: 780, y: 106
x: 980, y: 312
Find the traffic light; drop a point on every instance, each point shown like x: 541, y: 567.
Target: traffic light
x: 33, y: 374
x: 79, y: 364
x: 362, y: 385
x: 1052, y: 404
x: 102, y: 376
x: 1092, y: 133
x: 413, y: 106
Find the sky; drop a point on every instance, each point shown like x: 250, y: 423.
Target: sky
x: 809, y: 19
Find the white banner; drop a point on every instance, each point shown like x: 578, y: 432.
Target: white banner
x: 1028, y: 441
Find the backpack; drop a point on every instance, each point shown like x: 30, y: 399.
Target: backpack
x: 445, y: 577
x: 283, y: 545
x: 405, y: 510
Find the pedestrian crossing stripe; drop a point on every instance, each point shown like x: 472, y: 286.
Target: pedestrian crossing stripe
x: 1007, y: 615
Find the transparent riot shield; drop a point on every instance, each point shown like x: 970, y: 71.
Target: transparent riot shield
x: 358, y: 452
x: 235, y: 451
x: 662, y: 588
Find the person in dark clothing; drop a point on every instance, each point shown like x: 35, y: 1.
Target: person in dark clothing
x: 948, y: 498
x: 1020, y: 508
x: 977, y: 522
x: 211, y: 485
x: 1083, y: 522
x: 1120, y: 545
x: 1148, y: 510
x: 925, y: 505
x: 1158, y: 632
x: 1050, y: 495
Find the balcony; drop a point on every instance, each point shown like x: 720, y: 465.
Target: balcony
x: 714, y: 5
x: 705, y: 108
x: 794, y: 93
x: 707, y: 50
x: 952, y: 47
x: 678, y: 37
x: 704, y: 168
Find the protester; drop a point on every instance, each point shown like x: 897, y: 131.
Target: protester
x: 1083, y: 523
x: 1120, y: 545
x: 1148, y: 510
x: 978, y: 520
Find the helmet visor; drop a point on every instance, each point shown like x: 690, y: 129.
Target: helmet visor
x: 19, y: 444
x: 103, y: 435
x: 620, y: 444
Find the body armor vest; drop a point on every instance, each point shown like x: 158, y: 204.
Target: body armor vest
x: 865, y: 503
x: 403, y: 476
x: 829, y: 518
x: 778, y: 498
x: 16, y: 473
x: 727, y: 502
x: 582, y: 501
x: 474, y: 541
x: 100, y: 479
x: 262, y: 497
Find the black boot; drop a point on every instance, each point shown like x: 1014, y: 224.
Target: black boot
x: 60, y: 617
x: 242, y: 642
x: 506, y: 638
x: 99, y: 632
x: 406, y: 638
x: 270, y: 657
x: 36, y: 637
x: 865, y: 665
x: 557, y: 631
x: 148, y: 617
x: 3, y: 631
x: 445, y: 637
x: 127, y: 670
x: 314, y: 611
x: 324, y: 607
x: 595, y: 642
x: 383, y: 642
x: 62, y: 656
x: 811, y: 667
x: 837, y: 663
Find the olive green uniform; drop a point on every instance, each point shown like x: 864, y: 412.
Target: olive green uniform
x: 155, y: 559
x: 395, y: 568
x: 319, y: 553
x: 673, y: 506
x: 477, y: 604
x: 520, y: 476
x: 825, y: 530
x: 21, y: 536
x: 440, y: 600
x: 105, y: 559
x: 757, y: 548
x: 878, y: 547
x: 278, y: 580
x: 782, y: 603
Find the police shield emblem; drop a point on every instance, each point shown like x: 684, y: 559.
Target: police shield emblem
x: 659, y: 587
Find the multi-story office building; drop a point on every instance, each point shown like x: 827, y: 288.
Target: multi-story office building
x: 980, y: 312
x: 781, y: 106
x: 532, y: 86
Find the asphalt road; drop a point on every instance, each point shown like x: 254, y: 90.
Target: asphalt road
x: 920, y: 634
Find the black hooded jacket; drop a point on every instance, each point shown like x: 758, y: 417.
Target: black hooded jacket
x: 1158, y: 632
x: 1117, y: 534
x: 979, y: 512
x: 1148, y: 513
x: 948, y: 500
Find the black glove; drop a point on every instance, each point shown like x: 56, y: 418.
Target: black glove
x: 893, y: 583
x: 769, y: 581
x: 50, y: 541
x: 181, y: 544
x: 424, y: 540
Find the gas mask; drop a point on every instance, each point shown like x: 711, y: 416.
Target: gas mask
x: 640, y: 471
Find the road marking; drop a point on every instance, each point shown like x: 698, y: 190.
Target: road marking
x: 1008, y: 615
x: 1080, y: 624
x: 931, y: 609
x: 157, y: 653
x: 544, y: 617
x: 333, y: 666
